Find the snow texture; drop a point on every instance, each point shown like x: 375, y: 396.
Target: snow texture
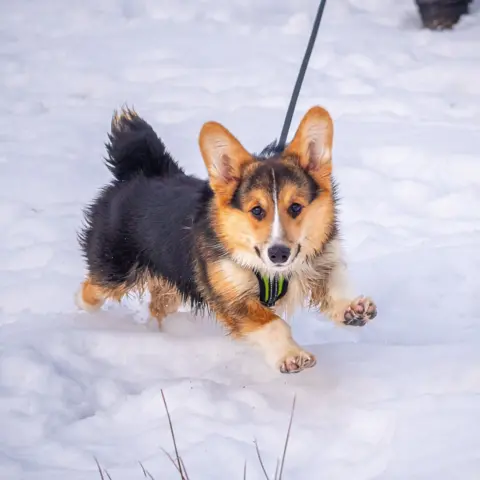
x: 398, y: 399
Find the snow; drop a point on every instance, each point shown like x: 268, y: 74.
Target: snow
x: 397, y: 399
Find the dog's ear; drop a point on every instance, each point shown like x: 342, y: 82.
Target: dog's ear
x: 312, y: 143
x: 224, y: 158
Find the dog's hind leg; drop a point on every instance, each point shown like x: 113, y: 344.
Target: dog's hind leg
x: 91, y: 296
x: 164, y: 298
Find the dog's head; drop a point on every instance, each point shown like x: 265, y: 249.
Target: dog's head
x: 272, y: 213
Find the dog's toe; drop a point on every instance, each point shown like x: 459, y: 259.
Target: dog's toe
x: 359, y: 312
x: 297, y: 361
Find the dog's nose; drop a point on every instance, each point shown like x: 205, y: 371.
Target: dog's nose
x: 278, y: 253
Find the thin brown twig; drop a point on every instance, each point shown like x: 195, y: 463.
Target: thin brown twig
x: 261, y: 461
x: 173, y: 462
x: 179, y: 464
x: 276, y: 470
x: 100, y: 471
x: 286, y: 441
x: 146, y: 473
x: 184, y: 469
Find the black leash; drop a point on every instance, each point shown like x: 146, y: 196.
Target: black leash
x: 301, y: 75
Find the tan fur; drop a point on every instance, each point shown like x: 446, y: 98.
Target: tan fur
x: 233, y: 286
x: 240, y: 232
x: 118, y: 116
x: 235, y: 299
x: 224, y: 158
x: 94, y: 295
x: 164, y: 298
x: 91, y: 295
x: 247, y: 319
x: 313, y: 143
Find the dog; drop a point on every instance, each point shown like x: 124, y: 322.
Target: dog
x: 255, y: 241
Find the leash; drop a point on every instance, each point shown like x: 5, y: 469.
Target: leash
x: 273, y: 289
x: 301, y: 75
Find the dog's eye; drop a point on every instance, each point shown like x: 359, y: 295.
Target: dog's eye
x: 258, y: 212
x: 295, y: 209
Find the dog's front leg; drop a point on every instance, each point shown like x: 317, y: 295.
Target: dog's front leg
x: 262, y: 327
x: 333, y: 296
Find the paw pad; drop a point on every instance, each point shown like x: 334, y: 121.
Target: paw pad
x: 297, y: 363
x: 359, y: 312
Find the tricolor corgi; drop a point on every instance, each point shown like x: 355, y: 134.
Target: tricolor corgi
x: 257, y: 240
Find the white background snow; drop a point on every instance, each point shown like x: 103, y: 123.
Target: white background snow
x: 398, y: 399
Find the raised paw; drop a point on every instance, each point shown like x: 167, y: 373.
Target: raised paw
x: 297, y: 361
x: 359, y: 312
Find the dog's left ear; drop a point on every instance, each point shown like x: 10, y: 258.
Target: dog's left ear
x: 312, y: 142
x: 224, y: 157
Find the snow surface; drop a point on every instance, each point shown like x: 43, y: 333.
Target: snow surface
x: 398, y: 399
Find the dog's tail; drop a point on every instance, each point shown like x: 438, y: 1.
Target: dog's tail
x: 134, y: 148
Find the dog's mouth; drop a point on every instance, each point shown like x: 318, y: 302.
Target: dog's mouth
x: 278, y: 257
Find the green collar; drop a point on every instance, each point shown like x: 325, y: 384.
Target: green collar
x: 271, y: 289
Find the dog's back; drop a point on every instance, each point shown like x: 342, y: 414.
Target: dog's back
x: 140, y: 226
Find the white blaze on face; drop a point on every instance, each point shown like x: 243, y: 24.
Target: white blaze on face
x: 276, y: 233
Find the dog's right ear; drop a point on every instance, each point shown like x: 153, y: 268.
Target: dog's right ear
x: 224, y: 157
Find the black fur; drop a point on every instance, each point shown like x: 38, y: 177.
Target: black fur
x: 270, y: 151
x: 135, y: 148
x: 148, y: 223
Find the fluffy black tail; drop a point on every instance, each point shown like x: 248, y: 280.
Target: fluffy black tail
x: 134, y: 148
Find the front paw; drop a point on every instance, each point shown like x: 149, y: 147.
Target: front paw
x: 296, y: 361
x: 359, y: 312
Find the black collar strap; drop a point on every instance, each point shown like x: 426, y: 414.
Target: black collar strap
x: 271, y: 289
